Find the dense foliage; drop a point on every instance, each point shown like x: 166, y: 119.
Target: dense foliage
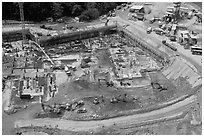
x: 39, y: 11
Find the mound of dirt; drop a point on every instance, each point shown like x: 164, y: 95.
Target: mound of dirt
x: 82, y: 83
x: 147, y: 10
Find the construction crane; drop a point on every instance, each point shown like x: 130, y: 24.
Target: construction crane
x: 22, y: 21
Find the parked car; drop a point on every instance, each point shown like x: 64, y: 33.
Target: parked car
x: 58, y: 67
x: 152, y: 20
x: 113, y: 14
x: 159, y: 31
x: 69, y: 73
x: 45, y: 27
x: 173, y: 38
x: 96, y: 101
x: 118, y: 7
x: 114, y: 100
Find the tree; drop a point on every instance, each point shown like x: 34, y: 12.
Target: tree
x: 89, y: 14
x: 77, y: 10
x: 83, y: 18
x: 67, y: 8
x: 39, y: 11
x: 10, y: 11
x: 90, y: 5
x: 105, y: 7
x: 57, y: 10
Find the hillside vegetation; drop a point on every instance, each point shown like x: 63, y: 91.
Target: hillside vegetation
x: 39, y: 11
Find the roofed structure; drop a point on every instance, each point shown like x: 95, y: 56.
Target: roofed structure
x: 137, y: 8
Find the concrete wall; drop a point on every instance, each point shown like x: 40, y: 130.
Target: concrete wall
x: 15, y: 35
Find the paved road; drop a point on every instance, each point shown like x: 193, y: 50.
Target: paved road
x: 187, y: 53
x: 138, y: 29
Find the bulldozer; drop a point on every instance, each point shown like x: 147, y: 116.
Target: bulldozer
x: 158, y: 86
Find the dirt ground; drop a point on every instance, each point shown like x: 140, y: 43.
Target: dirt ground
x: 186, y: 113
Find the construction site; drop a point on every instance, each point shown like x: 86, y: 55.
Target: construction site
x: 136, y: 72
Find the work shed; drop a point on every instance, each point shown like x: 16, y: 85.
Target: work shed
x: 137, y: 9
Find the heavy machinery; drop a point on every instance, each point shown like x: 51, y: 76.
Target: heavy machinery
x: 154, y: 19
x: 149, y: 30
x: 159, y: 31
x: 173, y: 37
x: 158, y: 86
x: 187, y: 39
x: 196, y: 50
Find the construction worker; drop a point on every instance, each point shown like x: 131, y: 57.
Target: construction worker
x: 11, y: 70
x: 107, y: 21
x: 102, y: 98
x: 43, y: 106
x: 19, y: 133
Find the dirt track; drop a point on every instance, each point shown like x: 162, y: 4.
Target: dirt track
x: 169, y: 111
x: 126, y: 120
x: 6, y: 95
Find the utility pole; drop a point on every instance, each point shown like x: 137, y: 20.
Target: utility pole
x: 22, y: 21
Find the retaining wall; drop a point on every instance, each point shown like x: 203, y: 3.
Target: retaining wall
x: 62, y: 38
x: 16, y: 35
x: 158, y: 55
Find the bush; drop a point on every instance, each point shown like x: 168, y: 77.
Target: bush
x: 83, y: 18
